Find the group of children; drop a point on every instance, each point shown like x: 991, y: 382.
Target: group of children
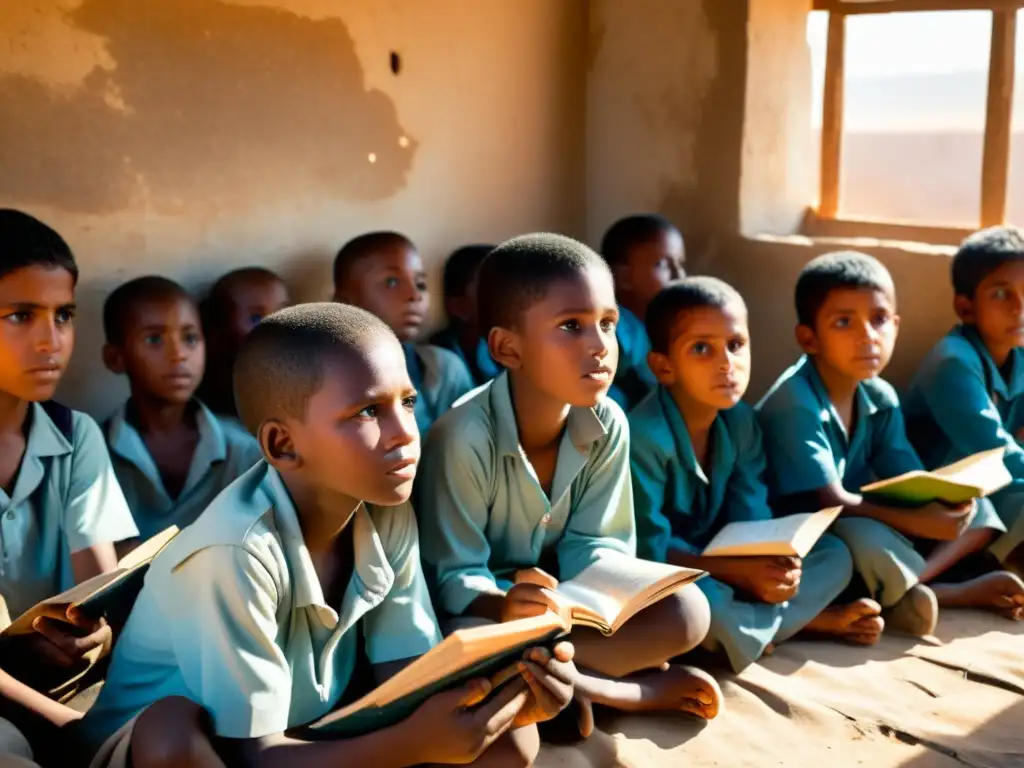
x: 319, y: 554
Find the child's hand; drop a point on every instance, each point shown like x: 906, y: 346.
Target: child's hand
x: 939, y: 521
x: 444, y: 730
x: 551, y: 679
x: 66, y: 644
x: 528, y: 597
x: 767, y: 579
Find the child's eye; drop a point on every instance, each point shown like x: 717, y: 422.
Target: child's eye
x: 735, y: 345
x: 841, y: 322
x: 369, y: 412
x: 608, y: 326
x: 570, y: 325
x: 1000, y: 294
x: 65, y: 316
x: 421, y: 286
x: 880, y: 319
x: 151, y: 340
x: 191, y: 339
x: 18, y: 318
x: 701, y: 348
x: 391, y: 282
x: 409, y: 403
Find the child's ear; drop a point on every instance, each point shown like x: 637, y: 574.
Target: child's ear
x: 503, y: 345
x: 964, y: 309
x: 113, y: 358
x: 277, y: 445
x: 662, y: 368
x: 807, y: 339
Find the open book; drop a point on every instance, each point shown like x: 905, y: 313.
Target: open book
x: 604, y: 596
x: 613, y: 589
x: 971, y: 478
x: 107, y: 593
x: 793, y: 535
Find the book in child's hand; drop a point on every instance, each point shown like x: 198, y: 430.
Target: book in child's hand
x: 107, y: 594
x: 615, y: 587
x: 971, y: 478
x: 603, y: 596
x: 464, y: 655
x: 790, y: 536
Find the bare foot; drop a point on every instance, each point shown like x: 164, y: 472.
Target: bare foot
x: 1000, y: 592
x: 675, y: 687
x: 859, y: 622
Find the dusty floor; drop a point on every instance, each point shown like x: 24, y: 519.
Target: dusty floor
x: 954, y: 701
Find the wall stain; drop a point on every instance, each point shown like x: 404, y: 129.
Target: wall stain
x: 210, y: 106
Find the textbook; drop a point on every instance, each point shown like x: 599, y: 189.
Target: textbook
x: 971, y: 478
x: 603, y: 596
x: 791, y: 536
x: 102, y: 595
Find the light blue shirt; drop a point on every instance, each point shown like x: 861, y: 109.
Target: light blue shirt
x: 65, y: 499
x: 224, y: 451
x: 233, y: 616
x: 484, y: 514
x: 806, y: 441
x: 678, y: 505
x: 633, y: 377
x: 482, y: 367
x: 440, y: 378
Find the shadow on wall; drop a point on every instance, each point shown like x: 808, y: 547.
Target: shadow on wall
x: 208, y: 106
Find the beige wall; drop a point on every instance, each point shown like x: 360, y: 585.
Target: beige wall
x: 188, y: 137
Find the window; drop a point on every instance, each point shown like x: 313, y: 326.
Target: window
x: 916, y: 112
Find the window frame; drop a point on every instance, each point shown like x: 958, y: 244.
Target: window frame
x: 826, y: 220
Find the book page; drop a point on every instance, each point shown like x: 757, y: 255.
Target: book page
x: 984, y: 470
x: 787, y: 536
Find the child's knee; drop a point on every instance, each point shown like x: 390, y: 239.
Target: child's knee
x: 516, y: 749
x: 831, y: 560
x: 687, y: 619
x: 167, y: 734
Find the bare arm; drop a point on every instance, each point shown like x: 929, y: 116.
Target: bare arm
x: 92, y: 561
x: 17, y: 692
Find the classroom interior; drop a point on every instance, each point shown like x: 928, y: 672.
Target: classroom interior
x: 190, y: 137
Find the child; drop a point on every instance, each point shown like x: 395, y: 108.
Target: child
x: 382, y: 272
x: 698, y: 464
x: 62, y: 510
x: 831, y: 425
x: 462, y: 335
x: 237, y: 302
x: 645, y: 253
x: 968, y: 395
x: 255, y: 612
x: 532, y: 472
x: 172, y: 456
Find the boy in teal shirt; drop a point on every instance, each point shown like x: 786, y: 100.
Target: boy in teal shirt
x: 526, y: 482
x: 968, y: 396
x: 171, y: 454
x: 698, y: 464
x: 462, y: 334
x: 831, y: 425
x: 252, y: 613
x: 61, y: 510
x: 382, y: 272
x: 645, y: 253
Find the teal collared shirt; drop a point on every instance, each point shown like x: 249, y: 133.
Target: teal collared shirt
x: 484, y: 514
x: 806, y: 442
x: 482, y: 367
x: 960, y: 403
x: 233, y: 616
x: 224, y: 452
x: 65, y: 499
x: 678, y: 505
x: 633, y: 377
x: 440, y: 378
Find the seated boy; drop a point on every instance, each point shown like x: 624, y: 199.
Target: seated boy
x: 382, y: 272
x: 61, y: 510
x: 645, y: 253
x: 532, y: 472
x: 698, y: 464
x: 462, y: 334
x: 831, y: 425
x: 172, y: 456
x: 968, y: 396
x: 237, y: 302
x: 258, y: 612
